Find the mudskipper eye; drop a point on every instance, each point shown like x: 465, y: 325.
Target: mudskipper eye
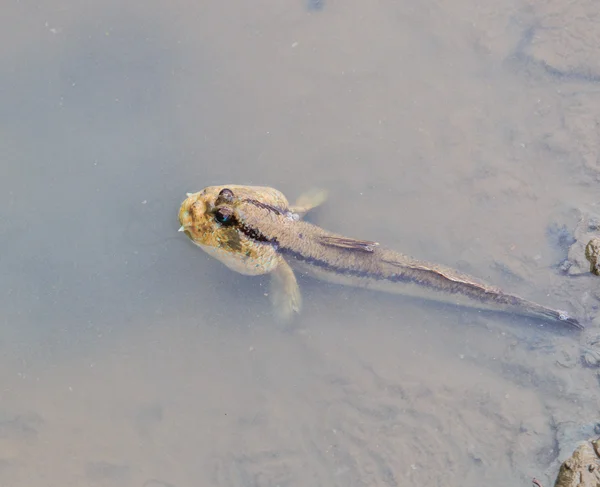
x: 226, y: 195
x: 224, y: 216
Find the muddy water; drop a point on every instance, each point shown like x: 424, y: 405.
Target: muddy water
x: 456, y: 132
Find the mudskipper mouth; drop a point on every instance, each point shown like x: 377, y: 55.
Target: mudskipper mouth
x: 191, y: 211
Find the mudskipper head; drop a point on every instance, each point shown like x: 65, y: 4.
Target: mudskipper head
x: 210, y: 218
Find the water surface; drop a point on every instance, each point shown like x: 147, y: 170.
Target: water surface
x: 455, y: 132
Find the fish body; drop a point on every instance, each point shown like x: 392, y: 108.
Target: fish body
x: 254, y: 231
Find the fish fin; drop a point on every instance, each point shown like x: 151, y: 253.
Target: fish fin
x: 309, y: 201
x: 480, y: 289
x: 348, y: 243
x: 562, y: 316
x: 285, y: 293
x: 445, y: 273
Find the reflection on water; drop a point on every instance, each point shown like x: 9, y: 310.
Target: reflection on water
x: 457, y: 133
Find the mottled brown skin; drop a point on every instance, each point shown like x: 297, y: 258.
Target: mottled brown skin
x: 592, y: 254
x: 253, y: 230
x: 582, y: 469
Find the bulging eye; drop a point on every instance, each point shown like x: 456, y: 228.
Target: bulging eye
x: 224, y: 216
x: 225, y: 195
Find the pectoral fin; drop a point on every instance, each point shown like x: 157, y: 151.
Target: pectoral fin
x: 309, y: 201
x: 348, y: 243
x: 285, y: 293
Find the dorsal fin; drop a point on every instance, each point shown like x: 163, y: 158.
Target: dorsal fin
x: 445, y: 273
x: 348, y: 243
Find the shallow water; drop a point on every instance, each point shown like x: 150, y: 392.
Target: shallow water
x: 455, y: 132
